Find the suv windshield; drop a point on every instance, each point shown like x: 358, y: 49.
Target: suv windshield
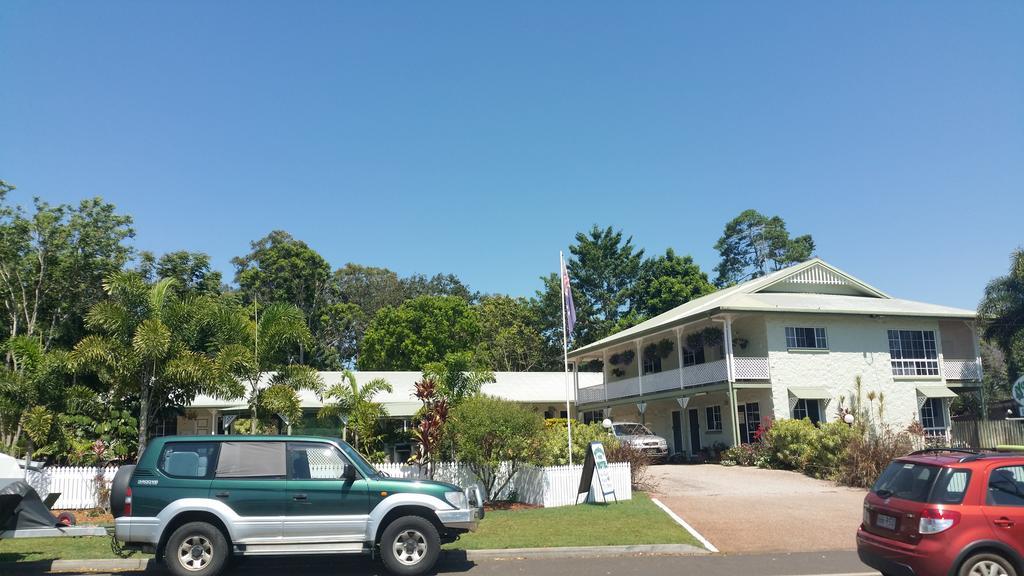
x: 922, y: 483
x: 631, y: 430
x: 356, y: 457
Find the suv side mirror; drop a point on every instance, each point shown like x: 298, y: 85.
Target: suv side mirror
x: 348, y: 472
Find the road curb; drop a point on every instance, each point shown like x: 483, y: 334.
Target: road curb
x: 142, y: 564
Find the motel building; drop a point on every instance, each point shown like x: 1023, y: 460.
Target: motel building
x: 791, y: 344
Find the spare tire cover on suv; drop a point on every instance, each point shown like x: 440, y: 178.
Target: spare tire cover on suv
x: 119, y: 489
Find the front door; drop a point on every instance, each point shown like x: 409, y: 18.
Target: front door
x: 749, y: 415
x: 677, y: 431
x: 322, y: 504
x: 694, y: 432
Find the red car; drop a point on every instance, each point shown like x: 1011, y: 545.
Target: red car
x: 939, y: 512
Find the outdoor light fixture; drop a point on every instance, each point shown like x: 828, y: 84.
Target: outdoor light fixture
x: 683, y: 401
x: 607, y: 423
x: 848, y: 418
x: 642, y: 407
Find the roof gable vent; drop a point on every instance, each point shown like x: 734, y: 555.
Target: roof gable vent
x: 817, y: 275
x: 820, y: 278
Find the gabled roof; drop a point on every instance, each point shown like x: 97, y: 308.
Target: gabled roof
x: 812, y: 286
x: 525, y: 387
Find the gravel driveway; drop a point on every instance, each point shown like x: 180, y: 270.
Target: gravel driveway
x: 752, y: 510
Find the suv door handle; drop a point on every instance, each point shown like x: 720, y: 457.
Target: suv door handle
x: 1003, y: 522
x: 300, y: 497
x: 222, y: 494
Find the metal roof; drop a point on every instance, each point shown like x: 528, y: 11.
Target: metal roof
x: 809, y: 287
x: 524, y: 387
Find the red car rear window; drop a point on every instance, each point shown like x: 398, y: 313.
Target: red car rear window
x: 923, y: 483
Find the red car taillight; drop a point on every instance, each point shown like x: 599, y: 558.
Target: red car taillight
x: 935, y: 520
x: 127, y: 502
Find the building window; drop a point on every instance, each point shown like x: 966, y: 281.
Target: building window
x: 593, y: 416
x: 810, y: 409
x: 652, y: 364
x: 750, y: 420
x: 913, y: 353
x: 693, y: 357
x: 933, y: 417
x: 810, y: 338
x: 713, y: 418
x: 166, y: 426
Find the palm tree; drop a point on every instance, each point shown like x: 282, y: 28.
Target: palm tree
x: 354, y: 403
x: 1002, y: 314
x: 148, y: 343
x: 271, y: 338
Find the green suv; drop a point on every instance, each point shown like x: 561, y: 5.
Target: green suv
x: 195, y: 501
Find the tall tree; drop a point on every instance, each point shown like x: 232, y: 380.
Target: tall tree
x: 280, y: 268
x: 436, y: 285
x: 362, y: 291
x: 419, y: 331
x: 53, y: 262
x: 666, y: 282
x: 191, y: 271
x: 753, y: 245
x: 1002, y: 314
x: 347, y: 399
x: 142, y: 345
x: 511, y: 337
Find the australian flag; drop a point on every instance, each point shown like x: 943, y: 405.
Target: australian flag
x: 570, y: 308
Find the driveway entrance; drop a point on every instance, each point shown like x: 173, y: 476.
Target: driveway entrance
x: 752, y: 510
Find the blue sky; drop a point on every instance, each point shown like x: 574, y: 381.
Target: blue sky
x: 476, y: 138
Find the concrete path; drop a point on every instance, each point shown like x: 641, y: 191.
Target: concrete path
x: 744, y: 510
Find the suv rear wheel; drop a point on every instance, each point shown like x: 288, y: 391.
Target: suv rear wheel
x: 410, y: 546
x: 196, y: 549
x: 987, y: 564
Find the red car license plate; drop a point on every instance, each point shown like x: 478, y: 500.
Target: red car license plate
x: 887, y: 522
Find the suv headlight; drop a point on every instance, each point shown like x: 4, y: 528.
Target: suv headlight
x: 457, y: 499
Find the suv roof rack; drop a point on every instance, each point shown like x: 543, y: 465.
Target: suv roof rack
x: 941, y: 450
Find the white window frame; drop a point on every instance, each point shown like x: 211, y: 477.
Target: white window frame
x: 930, y: 404
x: 926, y: 365
x: 820, y: 338
x: 713, y: 418
x: 806, y: 411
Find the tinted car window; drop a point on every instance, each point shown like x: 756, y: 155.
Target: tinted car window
x: 314, y: 461
x: 251, y: 460
x: 187, y: 459
x: 951, y: 486
x: 631, y: 430
x: 1006, y: 486
x: 923, y: 483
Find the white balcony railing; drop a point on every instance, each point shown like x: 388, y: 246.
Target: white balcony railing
x: 969, y: 370
x: 696, y: 375
x: 751, y: 368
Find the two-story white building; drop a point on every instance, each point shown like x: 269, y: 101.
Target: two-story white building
x: 787, y: 345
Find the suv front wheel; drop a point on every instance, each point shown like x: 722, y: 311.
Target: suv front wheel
x: 196, y: 549
x: 987, y: 564
x: 410, y: 546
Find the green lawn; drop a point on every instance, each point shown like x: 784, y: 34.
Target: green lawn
x: 64, y: 548
x: 636, y: 521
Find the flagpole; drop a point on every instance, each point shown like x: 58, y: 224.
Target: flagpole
x: 565, y: 354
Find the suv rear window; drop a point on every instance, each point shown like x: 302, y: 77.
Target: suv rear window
x: 923, y: 483
x: 187, y: 459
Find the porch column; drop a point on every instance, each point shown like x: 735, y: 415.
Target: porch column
x: 604, y: 373
x: 679, y: 350
x: 640, y: 368
x: 576, y: 387
x: 731, y: 374
x: 978, y: 372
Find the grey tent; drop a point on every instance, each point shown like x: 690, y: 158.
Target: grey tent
x: 21, y: 508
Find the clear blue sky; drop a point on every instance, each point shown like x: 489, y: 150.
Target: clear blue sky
x: 478, y: 137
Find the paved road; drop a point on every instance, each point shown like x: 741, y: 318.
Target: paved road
x: 843, y: 563
x: 750, y: 511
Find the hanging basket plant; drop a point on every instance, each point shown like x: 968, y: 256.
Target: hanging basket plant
x: 627, y: 357
x: 615, y: 359
x: 660, y: 349
x: 706, y: 338
x: 618, y: 372
x: 594, y: 365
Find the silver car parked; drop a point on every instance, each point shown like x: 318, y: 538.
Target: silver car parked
x: 640, y: 437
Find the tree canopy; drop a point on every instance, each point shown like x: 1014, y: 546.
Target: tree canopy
x: 753, y: 245
x: 421, y: 330
x: 1002, y: 314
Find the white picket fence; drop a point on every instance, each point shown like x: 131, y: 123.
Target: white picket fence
x: 76, y: 484
x: 548, y: 487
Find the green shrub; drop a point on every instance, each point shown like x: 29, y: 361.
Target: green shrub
x: 555, y: 439
x: 790, y: 443
x: 829, y: 450
x: 495, y: 438
x: 753, y: 454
